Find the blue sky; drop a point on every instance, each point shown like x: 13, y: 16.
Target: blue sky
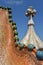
x: 19, y: 8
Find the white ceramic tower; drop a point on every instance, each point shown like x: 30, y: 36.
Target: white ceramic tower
x: 31, y: 37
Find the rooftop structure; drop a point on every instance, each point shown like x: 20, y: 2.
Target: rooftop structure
x: 13, y: 52
x: 31, y: 37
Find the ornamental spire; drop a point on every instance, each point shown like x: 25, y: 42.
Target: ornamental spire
x: 30, y: 12
x: 31, y: 38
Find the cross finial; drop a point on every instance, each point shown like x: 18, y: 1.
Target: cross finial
x: 30, y: 11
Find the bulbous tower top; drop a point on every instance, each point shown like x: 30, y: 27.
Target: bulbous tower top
x: 30, y: 11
